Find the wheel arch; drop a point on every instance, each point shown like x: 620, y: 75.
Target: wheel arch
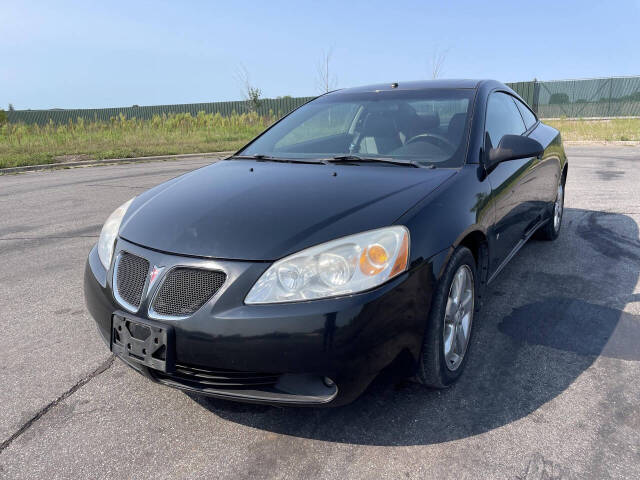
x: 563, y: 177
x: 476, y: 241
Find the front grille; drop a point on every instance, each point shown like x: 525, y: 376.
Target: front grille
x: 131, y: 274
x: 201, y: 378
x: 185, y: 290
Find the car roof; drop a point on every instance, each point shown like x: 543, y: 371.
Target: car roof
x: 414, y: 85
x: 483, y: 86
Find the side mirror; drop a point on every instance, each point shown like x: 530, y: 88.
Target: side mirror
x: 513, y: 147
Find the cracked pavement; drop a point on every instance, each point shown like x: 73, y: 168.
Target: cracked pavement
x: 552, y: 389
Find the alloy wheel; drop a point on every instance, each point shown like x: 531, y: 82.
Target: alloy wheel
x: 557, y: 208
x: 458, y: 317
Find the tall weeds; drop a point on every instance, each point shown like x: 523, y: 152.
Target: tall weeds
x: 22, y: 144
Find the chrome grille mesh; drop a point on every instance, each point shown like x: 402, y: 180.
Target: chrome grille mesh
x: 131, y: 274
x: 185, y: 290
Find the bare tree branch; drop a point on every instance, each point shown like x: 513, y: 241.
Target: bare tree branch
x: 250, y: 93
x: 326, y: 82
x: 437, y: 62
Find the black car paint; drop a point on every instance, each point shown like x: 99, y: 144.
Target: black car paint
x: 230, y: 217
x: 311, y: 206
x: 348, y: 339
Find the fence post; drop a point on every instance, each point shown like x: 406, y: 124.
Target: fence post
x: 536, y: 96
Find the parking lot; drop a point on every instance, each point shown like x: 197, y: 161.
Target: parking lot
x: 552, y: 389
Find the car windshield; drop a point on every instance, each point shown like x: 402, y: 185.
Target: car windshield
x: 422, y: 127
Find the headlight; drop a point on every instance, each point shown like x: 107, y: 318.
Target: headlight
x: 340, y: 267
x: 109, y: 233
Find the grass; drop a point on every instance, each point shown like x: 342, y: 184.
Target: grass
x: 121, y: 137
x: 22, y: 144
x: 607, y: 130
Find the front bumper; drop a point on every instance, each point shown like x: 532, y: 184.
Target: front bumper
x: 348, y: 340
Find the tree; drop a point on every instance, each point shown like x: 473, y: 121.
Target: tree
x: 11, y: 109
x: 250, y: 92
x: 437, y: 62
x: 3, y: 116
x: 326, y: 82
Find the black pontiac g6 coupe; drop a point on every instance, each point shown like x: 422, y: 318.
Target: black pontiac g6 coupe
x: 356, y: 234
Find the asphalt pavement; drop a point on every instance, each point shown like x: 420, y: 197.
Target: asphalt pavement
x: 552, y: 388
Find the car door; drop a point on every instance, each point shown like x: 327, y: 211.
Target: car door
x: 512, y: 182
x: 547, y: 169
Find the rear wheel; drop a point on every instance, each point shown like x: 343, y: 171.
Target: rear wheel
x: 448, y: 334
x: 551, y: 229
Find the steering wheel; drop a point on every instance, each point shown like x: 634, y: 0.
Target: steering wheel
x: 436, y: 139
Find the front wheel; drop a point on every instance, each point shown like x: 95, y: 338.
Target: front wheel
x: 448, y: 333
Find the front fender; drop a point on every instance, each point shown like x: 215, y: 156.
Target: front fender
x: 443, y: 219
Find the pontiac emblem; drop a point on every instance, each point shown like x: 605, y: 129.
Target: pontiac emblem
x: 153, y: 276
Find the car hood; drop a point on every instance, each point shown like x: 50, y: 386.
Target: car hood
x: 249, y: 210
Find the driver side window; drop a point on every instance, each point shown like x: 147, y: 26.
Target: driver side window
x: 503, y: 118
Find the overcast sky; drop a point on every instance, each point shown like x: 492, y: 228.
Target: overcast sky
x: 119, y: 53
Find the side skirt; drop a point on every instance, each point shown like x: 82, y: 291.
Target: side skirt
x: 517, y: 248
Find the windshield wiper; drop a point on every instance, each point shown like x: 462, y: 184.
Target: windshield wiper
x: 258, y: 156
x: 358, y: 158
x: 268, y: 158
x: 327, y: 161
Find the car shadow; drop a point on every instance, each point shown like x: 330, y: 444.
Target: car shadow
x: 552, y: 312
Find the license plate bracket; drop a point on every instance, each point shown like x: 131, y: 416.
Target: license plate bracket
x: 143, y: 341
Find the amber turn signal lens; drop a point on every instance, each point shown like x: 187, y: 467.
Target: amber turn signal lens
x: 403, y: 258
x: 378, y: 255
x: 369, y: 264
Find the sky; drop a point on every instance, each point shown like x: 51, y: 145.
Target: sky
x: 87, y: 54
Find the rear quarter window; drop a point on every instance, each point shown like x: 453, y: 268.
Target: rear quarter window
x: 527, y: 115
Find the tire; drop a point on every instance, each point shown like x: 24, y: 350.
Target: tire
x: 438, y: 368
x: 550, y: 230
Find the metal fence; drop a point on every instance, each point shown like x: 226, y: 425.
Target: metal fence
x: 275, y: 106
x: 598, y: 97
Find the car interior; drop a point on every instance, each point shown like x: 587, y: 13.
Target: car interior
x: 387, y: 129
